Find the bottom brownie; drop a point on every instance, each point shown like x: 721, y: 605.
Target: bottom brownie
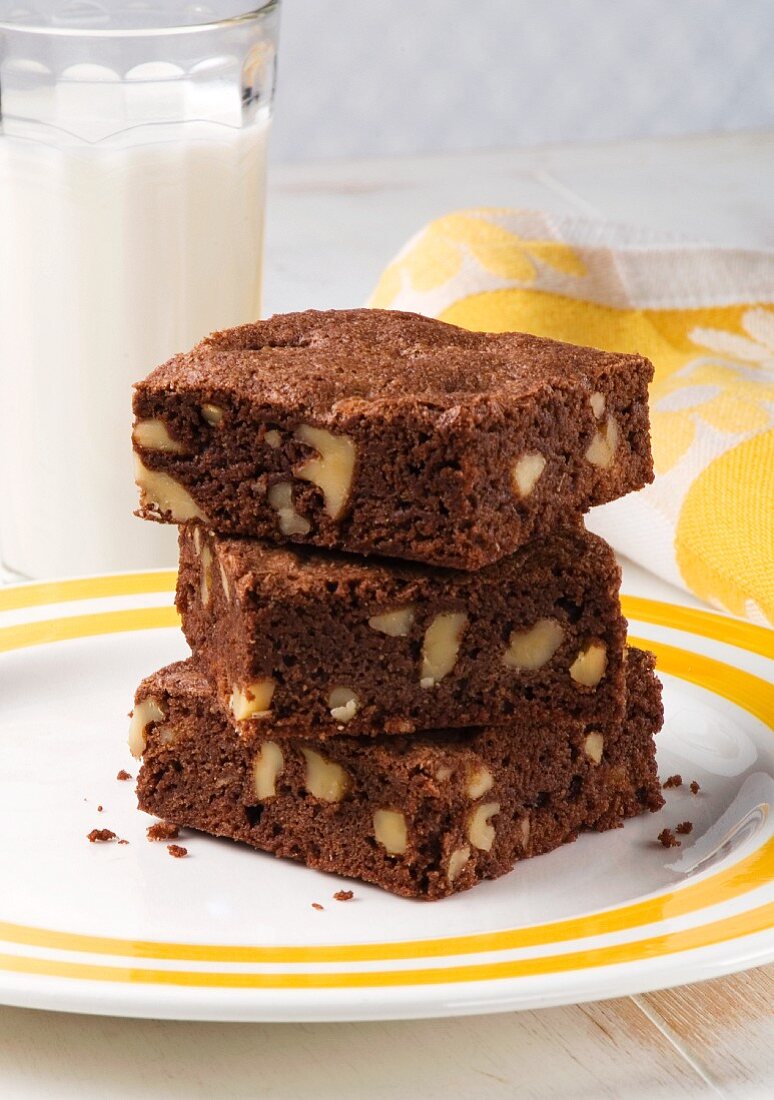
x: 424, y: 816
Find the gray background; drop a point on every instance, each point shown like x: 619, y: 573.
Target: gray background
x: 371, y: 77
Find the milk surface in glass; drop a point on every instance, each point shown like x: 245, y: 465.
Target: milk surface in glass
x: 131, y: 218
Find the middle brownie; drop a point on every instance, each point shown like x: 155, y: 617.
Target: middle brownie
x: 318, y: 642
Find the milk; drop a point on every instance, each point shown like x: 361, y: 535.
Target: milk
x: 114, y: 255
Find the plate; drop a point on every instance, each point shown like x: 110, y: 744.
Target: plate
x: 230, y: 934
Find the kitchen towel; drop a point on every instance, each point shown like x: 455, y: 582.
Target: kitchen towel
x: 703, y: 314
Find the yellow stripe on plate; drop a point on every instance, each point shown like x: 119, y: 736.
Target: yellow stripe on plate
x: 86, y: 626
x: 721, y: 628
x: 705, y: 935
x: 38, y: 594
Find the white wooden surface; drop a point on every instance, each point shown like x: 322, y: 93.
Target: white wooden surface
x: 332, y: 227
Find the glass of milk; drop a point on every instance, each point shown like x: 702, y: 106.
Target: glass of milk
x: 132, y: 173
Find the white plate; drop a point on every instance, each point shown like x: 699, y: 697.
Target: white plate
x: 230, y: 934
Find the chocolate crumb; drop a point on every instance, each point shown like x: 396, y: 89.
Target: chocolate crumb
x: 684, y: 828
x: 176, y: 851
x: 163, y: 830
x: 99, y: 809
x: 672, y: 781
x: 123, y: 775
x: 101, y: 836
x: 316, y: 905
x: 695, y: 787
x: 343, y: 895
x: 123, y: 842
x: 668, y: 839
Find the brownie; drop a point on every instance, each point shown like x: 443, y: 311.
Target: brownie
x: 423, y: 817
x: 380, y: 432
x: 314, y: 642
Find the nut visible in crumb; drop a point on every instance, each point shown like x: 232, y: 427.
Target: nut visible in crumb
x: 273, y: 439
x: 390, y: 831
x: 597, y: 402
x: 668, y: 839
x: 481, y: 832
x: 281, y: 500
x: 593, y: 746
x: 441, y: 646
x: 324, y: 779
x: 457, y: 861
x: 100, y: 836
x: 176, y: 851
x: 253, y: 700
x: 267, y: 766
x: 525, y: 828
x: 331, y: 470
x: 153, y: 435
x: 162, y: 496
x: 162, y: 830
x: 601, y: 451
x: 684, y: 828
x: 224, y: 581
x: 480, y: 782
x: 343, y: 895
x: 526, y: 472
x: 213, y: 414
x: 531, y: 649
x: 206, y: 574
x: 147, y: 713
x: 343, y: 703
x: 672, y: 781
x: 589, y: 666
x: 694, y: 787
x: 123, y: 775
x: 396, y: 624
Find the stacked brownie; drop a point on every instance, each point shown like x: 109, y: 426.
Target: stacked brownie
x: 461, y: 695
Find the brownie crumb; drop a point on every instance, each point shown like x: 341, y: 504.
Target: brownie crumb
x: 101, y: 836
x: 99, y: 809
x: 672, y: 781
x: 668, y: 839
x: 343, y: 895
x: 123, y: 842
x: 684, y: 828
x: 163, y: 830
x: 316, y: 905
x: 176, y: 851
x: 695, y: 787
x: 123, y: 775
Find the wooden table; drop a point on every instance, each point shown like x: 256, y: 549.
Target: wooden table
x: 332, y: 227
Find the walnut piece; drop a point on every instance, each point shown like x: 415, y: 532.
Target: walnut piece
x: 525, y: 829
x: 481, y: 832
x: 213, y: 414
x: 268, y: 764
x: 147, y: 713
x: 597, y: 402
x: 390, y: 831
x: 480, y: 782
x: 601, y: 450
x: 441, y: 646
x: 531, y: 649
x: 281, y: 500
x: 153, y: 435
x: 457, y: 861
x: 396, y: 624
x: 325, y: 779
x: 589, y: 666
x: 206, y: 574
x: 273, y: 439
x: 224, y: 581
x: 593, y: 746
x: 161, y: 494
x: 332, y: 469
x: 343, y: 703
x: 525, y: 473
x: 443, y: 773
x: 253, y: 700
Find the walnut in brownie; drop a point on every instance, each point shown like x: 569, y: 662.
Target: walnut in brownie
x: 424, y: 816
x: 318, y: 642
x: 376, y: 431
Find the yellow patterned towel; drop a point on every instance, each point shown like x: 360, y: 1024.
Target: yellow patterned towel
x: 703, y: 314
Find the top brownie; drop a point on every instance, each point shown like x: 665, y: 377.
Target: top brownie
x: 376, y: 431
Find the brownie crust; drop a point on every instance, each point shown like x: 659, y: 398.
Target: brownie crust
x: 331, y: 642
x: 380, y: 432
x: 422, y: 817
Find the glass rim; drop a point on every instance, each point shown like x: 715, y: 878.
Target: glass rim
x: 256, y: 10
